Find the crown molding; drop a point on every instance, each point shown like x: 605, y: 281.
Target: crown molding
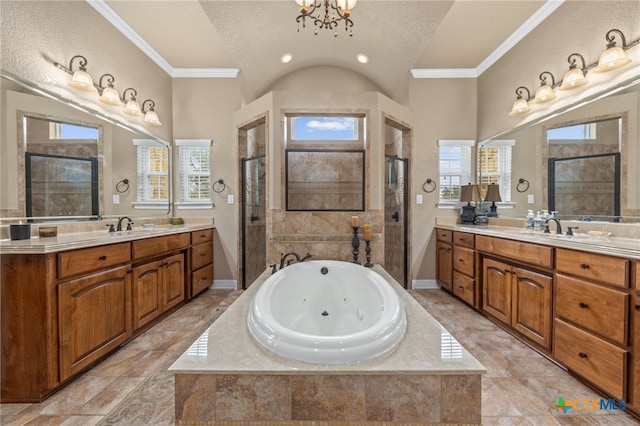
x: 205, y: 72
x: 444, y: 73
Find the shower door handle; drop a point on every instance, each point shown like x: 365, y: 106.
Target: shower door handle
x: 396, y: 216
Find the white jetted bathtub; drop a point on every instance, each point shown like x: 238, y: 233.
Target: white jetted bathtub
x: 327, y: 312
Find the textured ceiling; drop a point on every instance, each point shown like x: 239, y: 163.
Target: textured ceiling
x: 396, y: 35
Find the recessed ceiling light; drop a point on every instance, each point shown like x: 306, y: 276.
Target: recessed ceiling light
x: 362, y: 58
x: 286, y: 58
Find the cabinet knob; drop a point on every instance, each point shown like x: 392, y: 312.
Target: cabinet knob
x: 584, y: 266
x: 583, y: 355
x: 460, y: 260
x: 103, y: 257
x: 637, y: 307
x: 584, y: 305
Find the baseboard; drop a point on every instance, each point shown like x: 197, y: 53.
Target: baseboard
x: 424, y: 285
x: 225, y: 284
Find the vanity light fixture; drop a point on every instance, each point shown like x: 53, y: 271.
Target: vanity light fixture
x: 545, y: 92
x: 334, y: 12
x: 108, y: 94
x: 613, y: 57
x: 575, y: 77
x: 132, y: 107
x: 521, y: 105
x: 81, y: 79
x: 150, y: 116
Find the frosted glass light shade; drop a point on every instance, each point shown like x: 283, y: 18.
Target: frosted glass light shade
x: 110, y: 96
x: 304, y: 3
x: 572, y: 79
x: 544, y: 94
x: 151, y: 118
x: 347, y: 4
x: 132, y: 108
x: 81, y: 80
x: 612, y: 58
x: 520, y: 107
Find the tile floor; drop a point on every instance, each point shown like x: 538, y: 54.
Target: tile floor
x: 133, y: 388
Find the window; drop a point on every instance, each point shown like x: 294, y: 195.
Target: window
x: 584, y: 131
x: 325, y: 129
x: 72, y: 131
x: 455, y: 169
x: 194, y: 169
x: 153, y: 174
x: 494, y: 165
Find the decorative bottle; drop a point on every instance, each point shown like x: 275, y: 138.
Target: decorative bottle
x: 528, y: 225
x: 537, y: 222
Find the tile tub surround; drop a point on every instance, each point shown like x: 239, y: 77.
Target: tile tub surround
x: 225, y: 376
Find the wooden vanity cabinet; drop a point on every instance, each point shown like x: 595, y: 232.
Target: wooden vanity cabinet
x: 514, y: 293
x: 158, y: 276
x: 592, y: 317
x: 444, y: 258
x: 634, y: 369
x: 201, y: 261
x: 464, y: 267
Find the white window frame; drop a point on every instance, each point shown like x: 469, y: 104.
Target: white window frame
x: 466, y: 146
x: 184, y: 146
x: 142, y: 202
x: 505, y: 150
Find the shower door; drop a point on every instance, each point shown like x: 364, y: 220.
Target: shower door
x: 395, y: 218
x: 253, y: 229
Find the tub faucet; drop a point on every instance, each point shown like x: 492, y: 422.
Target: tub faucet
x: 558, y: 227
x: 283, y: 258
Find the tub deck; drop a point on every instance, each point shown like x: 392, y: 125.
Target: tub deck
x: 226, y: 378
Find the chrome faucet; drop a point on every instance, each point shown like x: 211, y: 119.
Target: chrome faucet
x: 129, y: 223
x: 283, y: 258
x: 558, y: 227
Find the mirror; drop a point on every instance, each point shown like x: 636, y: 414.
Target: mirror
x: 324, y: 180
x: 64, y: 161
x: 616, y: 111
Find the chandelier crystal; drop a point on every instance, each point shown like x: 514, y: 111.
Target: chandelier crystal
x: 326, y: 14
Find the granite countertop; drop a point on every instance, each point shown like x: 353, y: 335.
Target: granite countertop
x: 616, y: 246
x: 76, y: 240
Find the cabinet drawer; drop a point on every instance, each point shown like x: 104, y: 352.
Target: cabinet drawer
x: 158, y: 245
x: 201, y: 255
x: 463, y: 260
x: 201, y: 279
x: 532, y: 254
x: 463, y: 287
x: 444, y: 235
x: 76, y: 262
x: 464, y: 239
x: 600, y: 362
x: 596, y: 308
x: 607, y: 269
x: 202, y: 236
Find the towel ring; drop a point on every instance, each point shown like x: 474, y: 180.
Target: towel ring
x: 522, y: 183
x: 219, y: 182
x: 431, y: 187
x: 122, y: 186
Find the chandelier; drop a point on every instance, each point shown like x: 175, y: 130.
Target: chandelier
x: 334, y: 12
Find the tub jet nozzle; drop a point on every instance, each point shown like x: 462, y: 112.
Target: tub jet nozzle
x: 325, y: 313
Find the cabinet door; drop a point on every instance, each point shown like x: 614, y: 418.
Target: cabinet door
x: 146, y: 293
x: 532, y: 315
x: 634, y: 370
x: 496, y: 289
x: 172, y: 292
x: 94, y: 318
x: 444, y: 265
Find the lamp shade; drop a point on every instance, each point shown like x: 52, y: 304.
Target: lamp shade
x: 520, y: 107
x: 612, y: 58
x: 132, y: 108
x: 81, y: 80
x: 572, y: 79
x: 544, y: 94
x: 469, y: 193
x: 493, y: 193
x: 150, y: 117
x: 346, y: 4
x: 110, y: 96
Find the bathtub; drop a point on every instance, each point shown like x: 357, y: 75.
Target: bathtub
x: 327, y: 312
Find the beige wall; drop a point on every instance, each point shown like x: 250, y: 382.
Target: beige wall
x: 575, y: 27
